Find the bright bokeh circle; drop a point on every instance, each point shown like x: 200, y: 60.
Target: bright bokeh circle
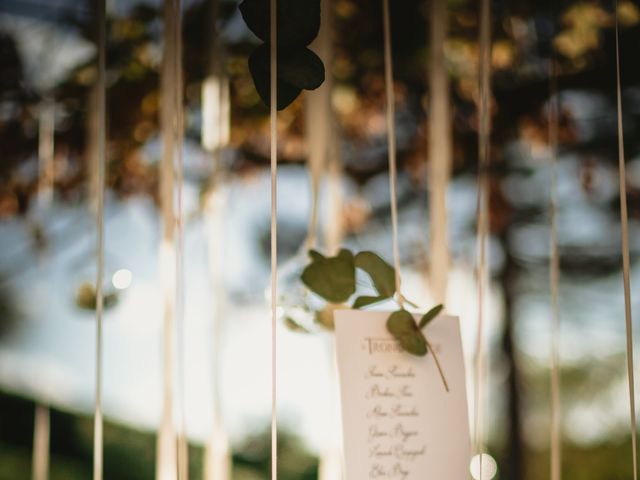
x: 122, y: 279
x: 489, y: 467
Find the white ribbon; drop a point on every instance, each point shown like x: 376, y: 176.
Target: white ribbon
x: 624, y: 227
x: 484, y: 133
x: 391, y: 138
x: 172, y: 460
x: 273, y: 113
x: 99, y: 164
x: 554, y: 276
x: 439, y: 153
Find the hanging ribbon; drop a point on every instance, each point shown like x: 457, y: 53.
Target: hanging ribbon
x: 178, y: 133
x: 170, y: 462
x: 215, y: 135
x: 554, y: 276
x: 324, y: 160
x: 46, y: 151
x: 273, y: 114
x: 215, y: 92
x: 99, y: 165
x: 484, y: 132
x: 217, y: 463
x: 393, y: 176
x: 335, y: 229
x: 41, y: 432
x: 391, y: 139
x: 318, y: 145
x: 439, y: 153
x: 624, y: 227
x: 319, y: 123
x: 46, y: 174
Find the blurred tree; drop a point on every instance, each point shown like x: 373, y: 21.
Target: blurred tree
x: 526, y: 33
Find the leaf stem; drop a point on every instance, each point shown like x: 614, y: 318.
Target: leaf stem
x: 435, y: 357
x: 405, y: 299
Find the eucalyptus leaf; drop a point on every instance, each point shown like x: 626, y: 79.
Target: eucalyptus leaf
x: 298, y: 67
x: 287, y: 93
x: 315, y: 255
x: 333, y: 278
x: 346, y: 254
x: 298, y: 21
x: 365, y: 300
x: 404, y: 329
x: 382, y: 274
x: 301, y: 68
x: 430, y: 315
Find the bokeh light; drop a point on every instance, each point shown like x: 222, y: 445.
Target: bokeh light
x: 489, y: 467
x: 122, y: 279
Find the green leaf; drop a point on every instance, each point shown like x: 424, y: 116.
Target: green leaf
x: 365, y: 300
x: 286, y: 93
x: 345, y: 254
x: 298, y: 21
x: 333, y: 279
x: 301, y: 68
x: 430, y: 315
x: 315, y: 255
x: 298, y: 67
x: 404, y: 329
x: 382, y: 274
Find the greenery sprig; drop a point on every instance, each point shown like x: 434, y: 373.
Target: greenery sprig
x: 334, y: 280
x: 298, y: 24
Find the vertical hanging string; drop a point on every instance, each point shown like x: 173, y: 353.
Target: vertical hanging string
x: 334, y: 232
x: 273, y: 113
x: 624, y: 226
x: 324, y: 163
x: 99, y: 164
x: 318, y: 145
x: 166, y: 455
x: 393, y: 176
x: 554, y: 277
x: 484, y: 132
x: 217, y: 456
x: 439, y: 153
x: 391, y: 138
x: 318, y: 123
x: 317, y: 135
x: 178, y: 133
x: 46, y: 150
x: 40, y: 460
x: 215, y: 131
x: 335, y: 229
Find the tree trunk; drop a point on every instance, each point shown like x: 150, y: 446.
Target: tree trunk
x: 513, y: 467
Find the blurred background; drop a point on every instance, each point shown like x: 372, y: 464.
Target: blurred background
x: 47, y: 233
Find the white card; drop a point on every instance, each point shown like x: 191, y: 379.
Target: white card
x: 399, y: 422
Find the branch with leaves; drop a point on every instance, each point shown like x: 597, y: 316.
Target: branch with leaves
x: 334, y: 280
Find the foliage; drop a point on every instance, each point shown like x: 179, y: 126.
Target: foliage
x: 130, y: 453
x: 298, y: 23
x: 334, y: 279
